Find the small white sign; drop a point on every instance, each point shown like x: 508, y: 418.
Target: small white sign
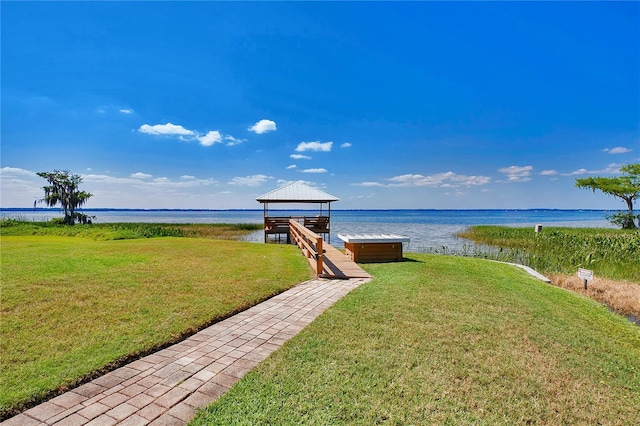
x: 585, y: 274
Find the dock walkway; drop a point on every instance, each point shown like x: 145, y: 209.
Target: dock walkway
x: 326, y: 260
x: 167, y: 387
x: 338, y: 265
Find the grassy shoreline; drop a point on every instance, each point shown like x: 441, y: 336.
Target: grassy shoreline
x: 610, y: 253
x: 128, y: 230
x: 613, y: 255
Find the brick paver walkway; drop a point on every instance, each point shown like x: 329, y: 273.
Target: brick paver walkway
x: 167, y: 387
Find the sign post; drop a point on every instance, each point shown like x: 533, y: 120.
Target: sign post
x: 586, y: 275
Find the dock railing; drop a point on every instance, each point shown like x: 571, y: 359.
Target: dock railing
x: 310, y: 243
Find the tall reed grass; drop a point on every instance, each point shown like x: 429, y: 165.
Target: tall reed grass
x: 609, y: 253
x: 125, y: 231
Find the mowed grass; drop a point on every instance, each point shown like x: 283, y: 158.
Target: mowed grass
x: 613, y: 255
x: 73, y: 306
x: 447, y: 340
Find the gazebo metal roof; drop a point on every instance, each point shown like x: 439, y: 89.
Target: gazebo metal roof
x: 296, y: 192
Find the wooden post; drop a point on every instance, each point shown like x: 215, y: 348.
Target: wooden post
x: 319, y: 257
x: 329, y: 222
x: 265, y: 222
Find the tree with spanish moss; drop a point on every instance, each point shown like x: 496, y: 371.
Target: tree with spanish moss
x: 63, y: 189
x: 626, y: 187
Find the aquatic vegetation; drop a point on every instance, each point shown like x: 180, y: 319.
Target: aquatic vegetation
x: 127, y: 230
x: 608, y: 252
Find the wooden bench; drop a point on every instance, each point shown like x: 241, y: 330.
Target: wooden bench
x: 276, y: 225
x: 365, y: 248
x: 318, y: 224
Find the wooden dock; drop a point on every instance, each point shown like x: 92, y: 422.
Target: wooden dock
x: 326, y: 260
x: 338, y: 265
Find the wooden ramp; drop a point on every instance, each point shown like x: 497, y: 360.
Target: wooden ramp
x: 338, y: 265
x: 326, y: 260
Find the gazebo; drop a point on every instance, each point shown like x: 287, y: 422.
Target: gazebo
x: 296, y: 192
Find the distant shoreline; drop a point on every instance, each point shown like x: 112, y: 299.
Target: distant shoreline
x: 108, y: 209
x: 425, y: 227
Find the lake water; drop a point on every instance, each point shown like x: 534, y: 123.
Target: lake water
x: 426, y: 228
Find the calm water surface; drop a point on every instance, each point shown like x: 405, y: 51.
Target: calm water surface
x: 426, y: 228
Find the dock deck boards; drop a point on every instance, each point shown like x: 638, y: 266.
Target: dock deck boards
x: 333, y: 263
x: 338, y: 265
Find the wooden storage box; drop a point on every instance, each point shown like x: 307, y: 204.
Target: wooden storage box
x: 370, y: 248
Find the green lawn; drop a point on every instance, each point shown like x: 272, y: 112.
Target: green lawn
x: 71, y: 305
x: 435, y: 340
x: 447, y: 340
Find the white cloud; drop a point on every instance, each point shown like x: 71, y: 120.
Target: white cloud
x: 345, y: 145
x: 233, y: 141
x: 300, y: 157
x: 141, y: 182
x: 110, y: 109
x: 617, y: 150
x: 292, y: 166
x: 263, y: 126
x: 517, y: 173
x: 368, y: 184
x: 141, y: 175
x: 613, y: 168
x: 578, y: 172
x: 19, y: 187
x: 442, y: 180
x: 165, y: 129
x: 255, y: 180
x: 548, y: 172
x: 212, y: 137
x: 314, y: 146
x: 6, y: 172
x: 318, y: 170
x: 457, y: 193
x: 447, y: 179
x: 100, y: 184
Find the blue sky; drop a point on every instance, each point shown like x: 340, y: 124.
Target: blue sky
x: 382, y: 104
